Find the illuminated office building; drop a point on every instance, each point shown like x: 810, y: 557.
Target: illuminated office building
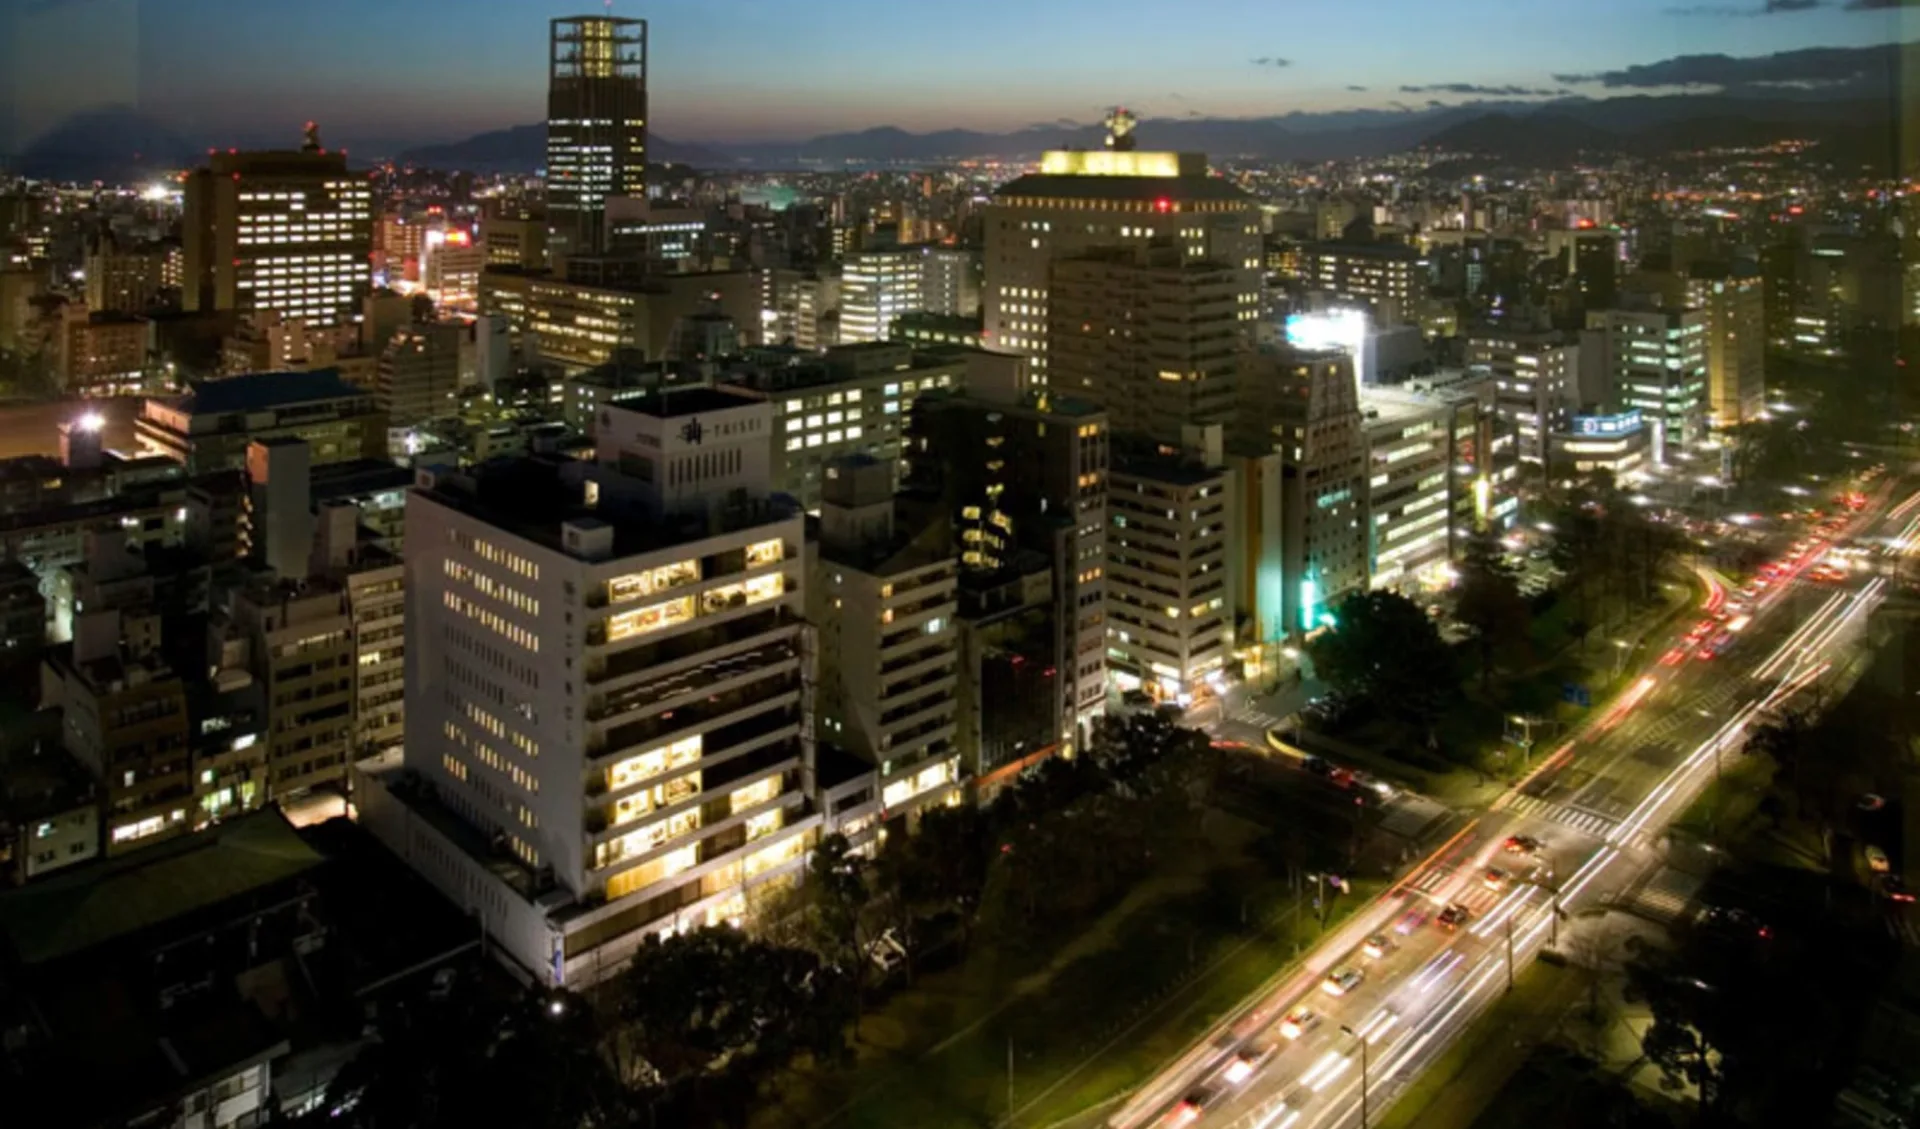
x: 596, y: 126
x: 1151, y: 335
x: 287, y: 231
x: 1536, y: 380
x: 606, y: 676
x: 1117, y: 196
x: 875, y: 288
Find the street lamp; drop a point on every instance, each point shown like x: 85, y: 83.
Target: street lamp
x: 1621, y: 647
x: 1362, y: 1040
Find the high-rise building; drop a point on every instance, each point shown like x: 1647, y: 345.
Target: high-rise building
x: 123, y: 705
x: 883, y: 593
x: 596, y: 126
x: 286, y: 231
x: 875, y: 288
x: 1079, y: 201
x: 950, y: 281
x: 1536, y: 380
x: 1025, y: 477
x: 514, y: 237
x: 121, y: 277
x: 1409, y: 488
x: 1733, y: 299
x: 419, y: 375
x: 1595, y: 262
x: 1151, y: 335
x: 606, y: 675
x: 450, y: 274
x: 1171, y: 551
x: 1652, y: 359
x: 1305, y: 405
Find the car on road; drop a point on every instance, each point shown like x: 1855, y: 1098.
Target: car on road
x: 1454, y: 916
x: 1412, y: 920
x: 1186, y: 1113
x: 1895, y: 888
x: 1298, y: 1022
x: 1341, y: 981
x: 1377, y: 946
x: 1319, y: 766
x: 1495, y: 878
x: 1869, y: 801
x: 1521, y: 845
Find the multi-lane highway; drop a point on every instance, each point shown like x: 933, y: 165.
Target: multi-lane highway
x: 1376, y: 1003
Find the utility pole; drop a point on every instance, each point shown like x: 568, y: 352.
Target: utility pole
x: 1358, y: 1038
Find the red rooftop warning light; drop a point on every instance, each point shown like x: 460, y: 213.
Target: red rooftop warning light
x: 1163, y: 205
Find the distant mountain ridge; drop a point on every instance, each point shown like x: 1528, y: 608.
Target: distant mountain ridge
x: 121, y: 145
x: 1851, y: 130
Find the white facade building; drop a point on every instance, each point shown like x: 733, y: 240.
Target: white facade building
x: 607, y: 682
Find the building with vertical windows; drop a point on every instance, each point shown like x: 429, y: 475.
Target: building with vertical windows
x: 877, y: 287
x: 1305, y: 405
x: 608, y: 691
x: 419, y: 374
x: 883, y: 594
x: 1536, y: 382
x: 1389, y: 279
x: 1410, y: 487
x: 596, y: 126
x: 1118, y: 196
x: 853, y: 401
x: 124, y: 718
x: 123, y: 277
x: 1024, y: 475
x: 1170, y: 559
x: 1151, y: 335
x: 1732, y: 298
x: 1652, y: 359
x: 284, y: 231
x: 950, y: 281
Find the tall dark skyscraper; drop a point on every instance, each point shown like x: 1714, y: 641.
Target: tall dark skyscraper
x: 596, y: 126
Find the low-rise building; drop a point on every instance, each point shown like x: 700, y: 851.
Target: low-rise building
x: 209, y: 427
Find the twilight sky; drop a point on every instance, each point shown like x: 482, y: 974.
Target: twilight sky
x: 389, y: 72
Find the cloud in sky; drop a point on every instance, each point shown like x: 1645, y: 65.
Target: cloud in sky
x: 1738, y: 11
x: 1272, y: 61
x: 1821, y: 68
x: 1880, y: 5
x: 1358, y: 89
x: 1477, y: 90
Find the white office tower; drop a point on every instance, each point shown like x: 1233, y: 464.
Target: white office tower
x: 607, y: 686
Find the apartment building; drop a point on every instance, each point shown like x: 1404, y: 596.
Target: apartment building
x: 883, y: 595
x: 1170, y: 555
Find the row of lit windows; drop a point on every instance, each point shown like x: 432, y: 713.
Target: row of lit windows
x: 505, y: 628
x: 487, y: 585
x: 493, y: 554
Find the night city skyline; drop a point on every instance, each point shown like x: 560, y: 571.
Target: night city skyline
x: 389, y: 75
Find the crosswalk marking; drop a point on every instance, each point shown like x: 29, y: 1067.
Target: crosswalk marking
x: 1579, y: 819
x: 1250, y: 716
